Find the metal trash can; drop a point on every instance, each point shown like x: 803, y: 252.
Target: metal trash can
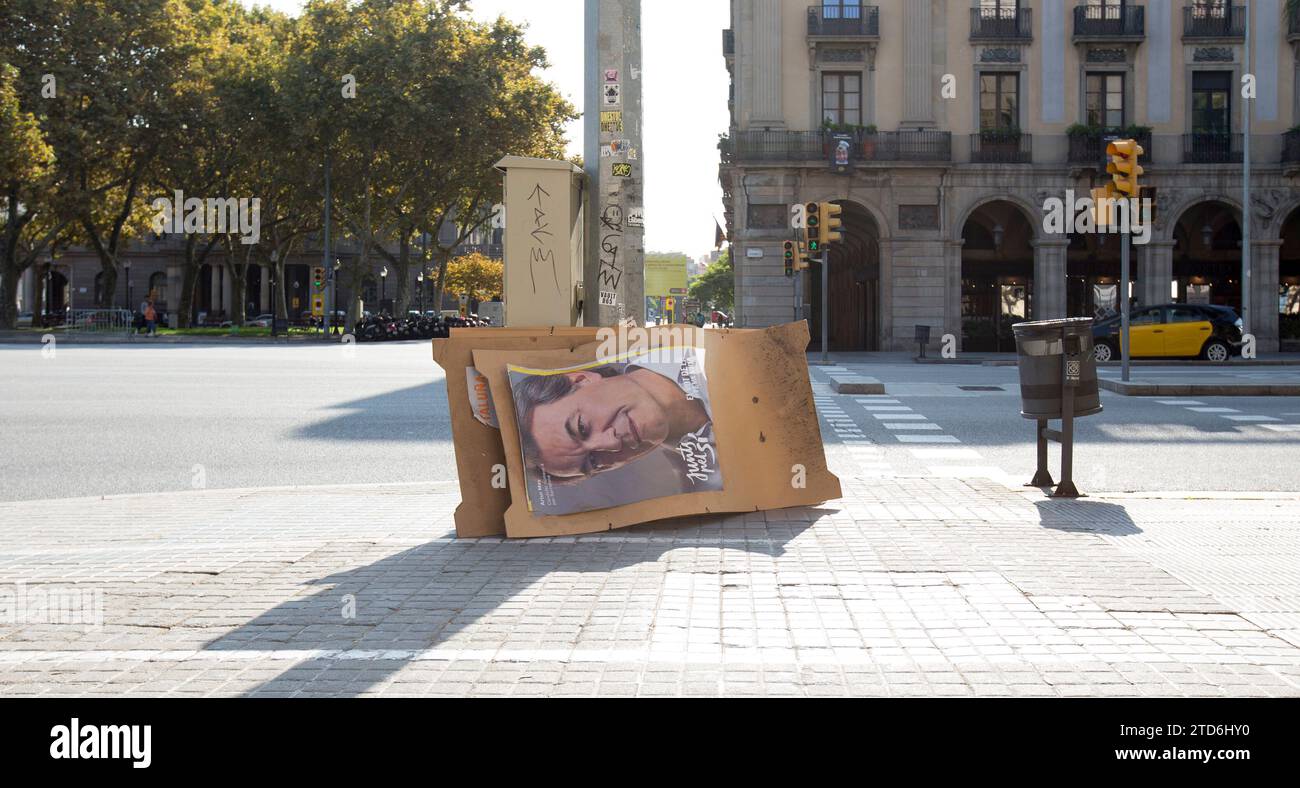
x: 1041, y: 347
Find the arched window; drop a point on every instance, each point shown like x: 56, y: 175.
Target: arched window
x: 158, y: 285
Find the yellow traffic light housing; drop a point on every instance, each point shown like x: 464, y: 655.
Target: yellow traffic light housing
x: 801, y: 257
x: 318, y: 277
x: 1125, y: 167
x: 813, y: 224
x: 791, y: 254
x: 831, y: 223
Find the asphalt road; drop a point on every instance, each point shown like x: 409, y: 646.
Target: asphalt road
x: 96, y: 420
x: 106, y: 420
x: 1135, y: 444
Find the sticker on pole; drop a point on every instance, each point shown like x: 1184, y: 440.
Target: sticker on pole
x: 636, y: 217
x: 608, y: 299
x: 611, y: 122
x: 613, y: 95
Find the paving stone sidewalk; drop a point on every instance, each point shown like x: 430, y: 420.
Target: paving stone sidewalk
x: 907, y: 586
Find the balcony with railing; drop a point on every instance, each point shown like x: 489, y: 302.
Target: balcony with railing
x: 728, y: 43
x: 818, y: 146
x: 1202, y: 22
x: 1090, y: 147
x: 844, y: 21
x: 1293, y: 26
x: 1001, y: 25
x: 1001, y: 147
x: 1110, y: 23
x: 1291, y: 147
x: 1212, y: 148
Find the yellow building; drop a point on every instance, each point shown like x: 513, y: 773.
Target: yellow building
x: 966, y: 118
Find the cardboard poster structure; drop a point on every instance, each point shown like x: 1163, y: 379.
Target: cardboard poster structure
x: 479, y: 449
x: 768, y: 438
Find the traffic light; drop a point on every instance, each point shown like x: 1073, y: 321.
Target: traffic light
x: 318, y: 277
x: 800, y: 257
x: 831, y: 223
x: 791, y: 253
x: 1125, y: 168
x: 813, y: 222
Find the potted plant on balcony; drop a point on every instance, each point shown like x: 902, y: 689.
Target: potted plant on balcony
x: 830, y: 129
x: 868, y: 134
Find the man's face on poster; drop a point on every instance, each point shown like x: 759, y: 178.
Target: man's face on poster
x: 602, y: 424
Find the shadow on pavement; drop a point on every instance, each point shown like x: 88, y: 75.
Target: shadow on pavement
x: 432, y: 594
x: 1084, y: 515
x: 417, y: 413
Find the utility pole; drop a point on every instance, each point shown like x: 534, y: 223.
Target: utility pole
x: 325, y: 256
x: 614, y: 260
x: 1246, y: 112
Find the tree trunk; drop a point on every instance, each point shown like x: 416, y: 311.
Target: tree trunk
x: 402, y: 271
x: 189, y: 281
x: 444, y: 257
x: 38, y: 293
x: 9, y: 297
x: 238, y: 303
x: 108, y: 289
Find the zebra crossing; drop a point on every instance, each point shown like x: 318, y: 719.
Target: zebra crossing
x: 1271, y: 423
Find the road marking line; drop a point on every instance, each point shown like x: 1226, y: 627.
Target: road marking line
x: 1179, y: 402
x: 926, y: 439
x: 1214, y: 410
x: 911, y: 425
x: 946, y: 454
x: 900, y: 416
x: 1282, y: 427
x: 1249, y: 418
x: 883, y: 408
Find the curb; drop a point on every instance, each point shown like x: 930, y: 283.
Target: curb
x: 1132, y: 389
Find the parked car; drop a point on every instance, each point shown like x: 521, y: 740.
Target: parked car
x: 261, y: 321
x: 1173, y: 331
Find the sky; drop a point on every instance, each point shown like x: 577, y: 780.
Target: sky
x: 685, y: 86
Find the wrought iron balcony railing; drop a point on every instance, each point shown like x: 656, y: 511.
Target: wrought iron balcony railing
x: 1090, y: 148
x: 809, y: 146
x: 1001, y: 147
x: 1109, y: 22
x: 1212, y: 148
x: 1214, y: 21
x: 844, y: 21
x: 1011, y: 25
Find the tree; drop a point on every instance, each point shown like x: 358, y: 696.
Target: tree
x: 29, y: 221
x: 476, y: 276
x: 716, y: 287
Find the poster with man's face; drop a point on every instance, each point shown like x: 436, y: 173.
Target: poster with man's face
x: 616, y: 431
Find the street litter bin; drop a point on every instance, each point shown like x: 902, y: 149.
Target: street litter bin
x: 1041, y: 349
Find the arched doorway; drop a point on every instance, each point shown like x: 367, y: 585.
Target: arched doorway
x: 854, y: 285
x: 997, y: 276
x: 56, y: 296
x: 1207, y: 256
x: 1093, y: 274
x: 1288, y: 302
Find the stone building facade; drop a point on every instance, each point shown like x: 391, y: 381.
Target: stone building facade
x: 964, y: 118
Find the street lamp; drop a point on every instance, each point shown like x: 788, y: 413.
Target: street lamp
x: 420, y: 279
x: 383, y: 286
x: 998, y: 234
x: 1207, y: 235
x: 126, y: 265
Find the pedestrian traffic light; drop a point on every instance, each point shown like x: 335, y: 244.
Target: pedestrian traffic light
x: 790, y: 256
x: 831, y: 223
x: 318, y: 277
x: 813, y: 223
x: 1124, y: 167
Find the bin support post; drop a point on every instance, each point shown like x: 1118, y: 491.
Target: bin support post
x: 1043, y: 477
x: 1066, y: 488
